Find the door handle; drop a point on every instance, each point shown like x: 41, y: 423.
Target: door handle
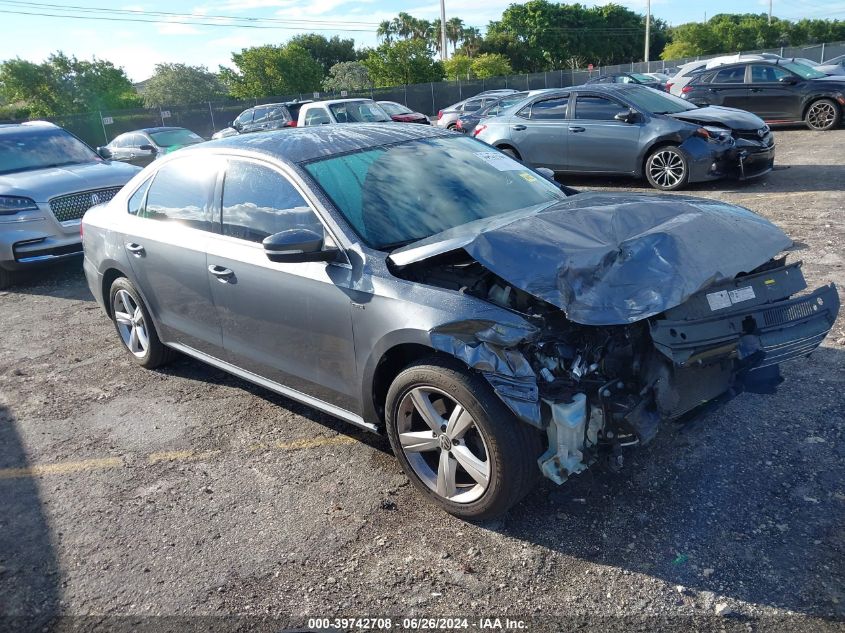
x: 518, y: 128
x: 136, y: 249
x: 223, y: 274
x: 576, y: 128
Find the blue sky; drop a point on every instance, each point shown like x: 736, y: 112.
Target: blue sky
x: 137, y: 47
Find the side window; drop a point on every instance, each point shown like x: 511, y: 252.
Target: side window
x: 258, y: 202
x: 596, y: 108
x: 181, y: 191
x: 137, y: 140
x: 136, y: 200
x: 279, y: 113
x: 120, y: 141
x: 767, y: 74
x: 730, y: 76
x: 550, y: 109
x: 317, y: 116
x: 473, y: 106
x: 261, y: 115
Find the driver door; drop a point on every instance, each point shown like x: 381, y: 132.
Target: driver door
x: 597, y: 141
x: 287, y: 322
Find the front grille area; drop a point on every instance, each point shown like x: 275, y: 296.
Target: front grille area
x: 794, y: 312
x: 73, y: 206
x: 753, y: 135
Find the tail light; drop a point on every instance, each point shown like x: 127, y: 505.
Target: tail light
x: 669, y: 85
x: 686, y: 89
x: 459, y: 125
x: 439, y: 114
x: 478, y: 130
x: 290, y: 124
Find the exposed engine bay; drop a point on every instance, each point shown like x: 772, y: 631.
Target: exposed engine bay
x: 596, y: 389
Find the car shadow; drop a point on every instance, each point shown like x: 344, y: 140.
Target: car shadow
x: 29, y: 571
x: 64, y: 280
x: 744, y: 502
x: 783, y: 179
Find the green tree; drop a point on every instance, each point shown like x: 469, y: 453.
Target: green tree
x: 326, y: 52
x: 179, y: 84
x: 347, y: 76
x: 385, y: 31
x: 454, y: 31
x: 458, y: 67
x: 491, y: 65
x: 265, y: 71
x: 403, y: 62
x: 66, y: 85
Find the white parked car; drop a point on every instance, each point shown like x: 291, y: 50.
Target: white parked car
x: 342, y: 111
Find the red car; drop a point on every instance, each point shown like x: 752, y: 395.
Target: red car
x: 403, y: 114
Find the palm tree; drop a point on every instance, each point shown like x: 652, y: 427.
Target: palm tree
x: 385, y: 31
x: 420, y: 29
x: 404, y: 25
x: 435, y: 37
x: 454, y: 31
x: 472, y: 41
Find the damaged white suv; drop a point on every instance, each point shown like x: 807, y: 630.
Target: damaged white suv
x: 408, y: 279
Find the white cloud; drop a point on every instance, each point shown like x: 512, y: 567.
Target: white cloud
x: 177, y: 28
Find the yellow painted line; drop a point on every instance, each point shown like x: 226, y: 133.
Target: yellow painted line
x: 62, y: 468
x: 316, y: 442
x: 180, y: 456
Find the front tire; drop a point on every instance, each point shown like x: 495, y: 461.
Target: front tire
x: 457, y: 441
x: 135, y: 327
x: 7, y: 278
x: 822, y: 115
x: 667, y: 168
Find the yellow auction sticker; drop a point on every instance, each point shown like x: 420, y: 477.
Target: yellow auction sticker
x: 526, y: 176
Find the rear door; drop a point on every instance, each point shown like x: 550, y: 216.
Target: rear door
x: 771, y: 99
x: 597, y: 141
x: 288, y: 322
x: 165, y: 240
x: 540, y: 131
x: 728, y: 88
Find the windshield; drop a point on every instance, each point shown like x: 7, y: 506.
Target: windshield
x: 646, y: 79
x: 805, y: 72
x: 650, y: 100
x: 398, y: 194
x: 502, y: 104
x: 180, y: 136
x: 39, y: 148
x: 358, y: 112
x: 394, y: 108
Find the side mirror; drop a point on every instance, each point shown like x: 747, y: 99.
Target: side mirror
x: 546, y: 173
x: 627, y: 116
x: 297, y: 245
x: 789, y: 80
x: 104, y: 152
x: 148, y: 148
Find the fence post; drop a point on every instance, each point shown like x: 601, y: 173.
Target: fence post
x: 105, y: 136
x: 433, y: 107
x: 821, y: 61
x: 405, y: 86
x: 211, y: 113
x: 460, y: 90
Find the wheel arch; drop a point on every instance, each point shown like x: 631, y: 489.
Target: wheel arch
x: 818, y: 97
x: 503, y: 145
x: 652, y: 147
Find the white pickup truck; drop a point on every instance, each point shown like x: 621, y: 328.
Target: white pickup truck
x: 341, y: 111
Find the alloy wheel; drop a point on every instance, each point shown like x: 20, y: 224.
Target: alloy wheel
x: 130, y: 323
x: 821, y: 115
x: 443, y: 444
x: 666, y: 168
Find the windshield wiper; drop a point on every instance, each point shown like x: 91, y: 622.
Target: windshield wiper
x: 392, y: 246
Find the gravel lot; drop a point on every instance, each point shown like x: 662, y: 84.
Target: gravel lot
x: 187, y: 492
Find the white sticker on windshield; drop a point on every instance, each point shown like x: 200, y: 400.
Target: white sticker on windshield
x: 500, y: 161
x: 719, y: 300
x: 742, y: 294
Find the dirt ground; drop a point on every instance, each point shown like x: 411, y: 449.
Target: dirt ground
x: 127, y: 495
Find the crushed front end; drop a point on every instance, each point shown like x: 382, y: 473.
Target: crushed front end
x: 605, y: 388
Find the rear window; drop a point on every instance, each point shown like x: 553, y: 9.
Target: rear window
x: 358, y: 112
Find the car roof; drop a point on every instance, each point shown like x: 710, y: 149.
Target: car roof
x: 16, y: 127
x: 152, y: 130
x: 333, y: 101
x: 297, y: 145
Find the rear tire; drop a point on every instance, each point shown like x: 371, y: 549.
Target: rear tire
x: 511, y: 152
x: 667, y: 168
x: 458, y: 442
x: 135, y: 327
x: 822, y: 115
x: 7, y: 278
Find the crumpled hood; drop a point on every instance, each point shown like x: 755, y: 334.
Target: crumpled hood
x: 613, y: 258
x: 730, y: 117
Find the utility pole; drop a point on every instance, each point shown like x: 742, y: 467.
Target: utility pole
x: 770, y: 12
x: 443, y: 51
x: 647, y: 29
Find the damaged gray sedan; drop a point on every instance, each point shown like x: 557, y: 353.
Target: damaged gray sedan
x: 413, y: 281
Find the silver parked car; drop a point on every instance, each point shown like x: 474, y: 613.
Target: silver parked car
x: 141, y: 147
x: 48, y: 179
x: 447, y: 118
x: 631, y: 130
x: 416, y: 281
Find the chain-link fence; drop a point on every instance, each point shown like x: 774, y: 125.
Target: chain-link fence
x: 98, y: 128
